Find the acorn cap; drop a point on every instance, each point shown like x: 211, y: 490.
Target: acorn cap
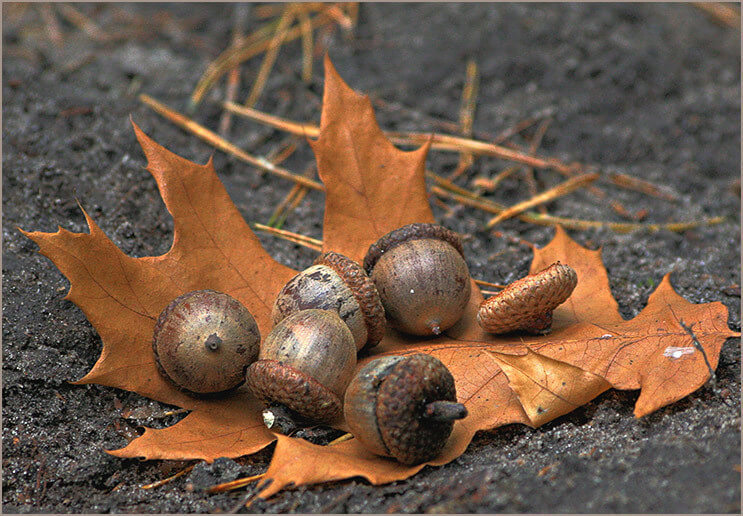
x: 527, y: 304
x: 274, y: 382
x: 203, y: 342
x: 415, y: 231
x: 364, y: 291
x: 389, y: 407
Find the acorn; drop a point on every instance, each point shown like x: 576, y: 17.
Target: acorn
x: 305, y: 363
x: 421, y: 277
x: 527, y: 304
x: 335, y: 282
x: 403, y: 407
x: 203, y: 342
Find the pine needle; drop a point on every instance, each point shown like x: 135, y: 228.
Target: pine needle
x: 235, y: 484
x: 467, y: 115
x: 570, y: 223
x: 169, y: 479
x: 233, y: 79
x: 536, y: 141
x: 253, y: 45
x: 488, y: 284
x: 343, y: 438
x: 641, y: 185
x: 82, y: 22
x: 217, y: 141
x: 720, y: 12
x: 546, y: 196
x: 443, y: 142
x: 272, y: 52
x: 307, y: 44
x: 296, y: 238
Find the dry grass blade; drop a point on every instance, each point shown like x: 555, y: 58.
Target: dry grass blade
x: 235, y: 484
x: 169, y: 479
x: 438, y: 141
x: 569, y: 223
x: 272, y: 52
x: 642, y: 186
x: 214, y: 139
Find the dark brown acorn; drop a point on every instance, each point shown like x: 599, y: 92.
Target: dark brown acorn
x: 335, y: 282
x: 421, y: 277
x: 203, y: 342
x: 305, y: 363
x: 403, y: 407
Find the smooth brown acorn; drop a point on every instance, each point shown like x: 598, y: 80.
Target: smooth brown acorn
x: 403, y: 407
x: 335, y: 282
x: 421, y: 277
x: 305, y: 363
x: 203, y: 342
x: 527, y: 304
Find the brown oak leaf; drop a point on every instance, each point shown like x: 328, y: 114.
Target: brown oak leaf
x: 371, y: 188
x: 213, y: 247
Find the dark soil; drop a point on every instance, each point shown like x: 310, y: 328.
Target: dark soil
x: 651, y: 90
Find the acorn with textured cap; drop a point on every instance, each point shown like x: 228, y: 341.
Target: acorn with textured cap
x: 335, y: 282
x: 305, y: 364
x: 203, y: 342
x: 421, y: 277
x: 527, y: 304
x: 403, y: 407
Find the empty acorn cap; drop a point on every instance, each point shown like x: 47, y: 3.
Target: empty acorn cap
x: 527, y: 304
x: 203, y: 342
x: 363, y: 290
x: 415, y: 231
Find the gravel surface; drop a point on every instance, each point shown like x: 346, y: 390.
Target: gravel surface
x: 651, y: 90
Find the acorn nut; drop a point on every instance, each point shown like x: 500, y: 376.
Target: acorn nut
x: 203, y: 342
x: 421, y: 277
x: 335, y: 282
x: 527, y: 304
x: 305, y: 363
x: 403, y: 407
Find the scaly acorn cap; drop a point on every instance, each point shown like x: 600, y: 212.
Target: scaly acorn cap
x: 363, y: 290
x: 403, y: 406
x: 527, y: 304
x: 415, y: 231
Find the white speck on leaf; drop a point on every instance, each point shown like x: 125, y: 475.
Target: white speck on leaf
x: 673, y: 352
